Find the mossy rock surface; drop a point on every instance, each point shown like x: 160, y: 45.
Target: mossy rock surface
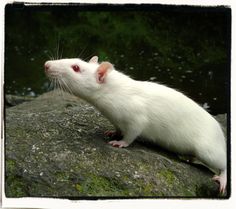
x: 55, y: 147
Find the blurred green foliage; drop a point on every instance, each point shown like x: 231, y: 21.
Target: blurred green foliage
x: 186, y: 48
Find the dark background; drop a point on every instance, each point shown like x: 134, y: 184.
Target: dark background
x: 184, y: 47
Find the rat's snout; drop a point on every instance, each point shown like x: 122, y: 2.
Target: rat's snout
x: 51, y: 70
x: 46, y: 66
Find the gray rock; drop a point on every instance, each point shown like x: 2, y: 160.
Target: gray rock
x: 55, y: 147
x: 12, y: 100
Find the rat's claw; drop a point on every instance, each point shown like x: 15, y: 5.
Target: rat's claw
x: 222, y: 181
x: 119, y: 144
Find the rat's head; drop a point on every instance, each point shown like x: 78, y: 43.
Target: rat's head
x: 77, y: 76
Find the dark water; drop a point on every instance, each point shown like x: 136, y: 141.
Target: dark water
x: 184, y: 48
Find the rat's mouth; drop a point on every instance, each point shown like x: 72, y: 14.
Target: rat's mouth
x: 58, y: 82
x: 53, y: 74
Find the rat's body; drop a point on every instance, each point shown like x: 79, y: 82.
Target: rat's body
x: 157, y: 113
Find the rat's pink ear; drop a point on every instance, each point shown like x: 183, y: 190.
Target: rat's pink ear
x: 102, y: 71
x: 94, y: 59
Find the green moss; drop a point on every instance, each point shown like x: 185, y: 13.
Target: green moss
x: 79, y: 188
x: 168, y: 176
x: 143, y: 167
x: 148, y: 188
x: 187, y: 192
x: 62, y: 176
x: 10, y: 166
x: 15, y: 187
x: 100, y: 186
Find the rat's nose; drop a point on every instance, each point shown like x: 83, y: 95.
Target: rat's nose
x: 46, y: 66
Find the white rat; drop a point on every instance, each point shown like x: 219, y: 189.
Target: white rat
x: 156, y: 112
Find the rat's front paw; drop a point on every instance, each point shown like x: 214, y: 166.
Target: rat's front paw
x: 119, y: 144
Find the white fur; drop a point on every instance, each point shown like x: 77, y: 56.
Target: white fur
x: 156, y: 112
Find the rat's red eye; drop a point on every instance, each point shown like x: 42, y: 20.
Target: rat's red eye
x: 76, y: 68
